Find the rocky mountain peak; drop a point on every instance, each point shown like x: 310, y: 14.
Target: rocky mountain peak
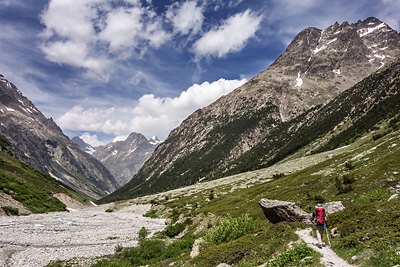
x: 124, y: 158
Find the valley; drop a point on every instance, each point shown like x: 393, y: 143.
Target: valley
x: 37, y: 239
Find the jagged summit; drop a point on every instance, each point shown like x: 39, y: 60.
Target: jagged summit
x: 124, y: 158
x: 154, y: 140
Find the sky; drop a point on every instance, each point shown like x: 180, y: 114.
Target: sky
x: 103, y: 69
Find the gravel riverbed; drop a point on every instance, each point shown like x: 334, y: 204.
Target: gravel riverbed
x: 37, y: 239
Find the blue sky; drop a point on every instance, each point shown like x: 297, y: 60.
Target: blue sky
x: 105, y: 68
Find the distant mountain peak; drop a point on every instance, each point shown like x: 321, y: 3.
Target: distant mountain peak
x: 83, y: 145
x: 155, y: 141
x: 124, y: 158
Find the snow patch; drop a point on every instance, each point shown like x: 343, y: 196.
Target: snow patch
x: 94, y: 204
x: 10, y: 109
x: 380, y: 56
x: 336, y: 71
x: 55, y: 177
x: 331, y: 41
x: 1, y: 110
x: 299, y: 80
x: 366, y: 31
x: 319, y: 49
x: 115, y: 152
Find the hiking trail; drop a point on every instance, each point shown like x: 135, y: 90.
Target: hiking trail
x: 329, y: 257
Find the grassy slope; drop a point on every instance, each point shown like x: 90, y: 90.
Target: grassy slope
x: 29, y: 186
x: 344, y: 119
x: 367, y: 225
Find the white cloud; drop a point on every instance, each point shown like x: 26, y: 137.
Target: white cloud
x: 390, y: 13
x: 150, y: 115
x: 92, y: 139
x: 186, y: 17
x: 229, y: 37
x: 93, y: 35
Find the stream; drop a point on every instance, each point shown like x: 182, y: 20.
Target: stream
x: 37, y: 239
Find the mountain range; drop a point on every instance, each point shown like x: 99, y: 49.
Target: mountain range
x: 39, y: 142
x: 303, y: 96
x: 124, y: 158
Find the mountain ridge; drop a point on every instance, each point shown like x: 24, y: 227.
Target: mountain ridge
x: 39, y: 142
x: 276, y: 95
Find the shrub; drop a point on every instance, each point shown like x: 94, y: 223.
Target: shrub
x: 211, y: 196
x: 349, y: 165
x: 143, y: 233
x: 293, y: 257
x: 151, y: 214
x: 375, y: 195
x: 319, y: 199
x: 118, y: 248
x: 345, y: 186
x: 278, y: 175
x: 174, y: 230
x: 10, y: 210
x: 348, y: 179
x: 109, y: 210
x: 231, y: 228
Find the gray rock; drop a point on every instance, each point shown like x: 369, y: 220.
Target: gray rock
x: 306, y: 258
x: 196, y: 247
x: 393, y: 197
x: 278, y: 211
x: 332, y: 207
x: 396, y: 188
x: 335, y: 232
x: 223, y: 265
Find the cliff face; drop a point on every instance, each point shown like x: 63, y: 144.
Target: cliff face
x: 124, y: 158
x: 316, y: 67
x: 39, y: 142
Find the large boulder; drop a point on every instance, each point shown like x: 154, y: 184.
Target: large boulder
x: 282, y: 211
x: 332, y: 207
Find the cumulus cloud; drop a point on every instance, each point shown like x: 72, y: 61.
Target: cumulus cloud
x: 151, y: 115
x: 390, y: 13
x: 231, y: 36
x: 92, y: 139
x: 186, y: 17
x: 94, y: 35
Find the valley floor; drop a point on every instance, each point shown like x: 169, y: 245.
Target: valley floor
x: 37, y: 239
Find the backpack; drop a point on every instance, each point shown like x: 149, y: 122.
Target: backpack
x: 320, y: 218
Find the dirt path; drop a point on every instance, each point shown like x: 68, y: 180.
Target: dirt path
x: 36, y: 239
x: 329, y: 257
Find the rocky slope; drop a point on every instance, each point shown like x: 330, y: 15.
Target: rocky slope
x: 39, y: 142
x: 316, y: 67
x: 83, y: 145
x: 124, y: 158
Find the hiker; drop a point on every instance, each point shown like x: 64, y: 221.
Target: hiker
x: 309, y: 207
x: 319, y: 218
x: 301, y: 205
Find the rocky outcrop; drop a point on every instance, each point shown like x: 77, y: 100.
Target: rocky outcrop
x: 282, y: 211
